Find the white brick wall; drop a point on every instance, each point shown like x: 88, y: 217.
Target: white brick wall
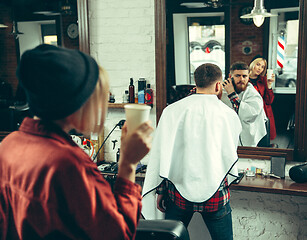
x: 122, y: 41
x: 265, y: 216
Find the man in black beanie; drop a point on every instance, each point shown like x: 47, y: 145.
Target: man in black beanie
x: 49, y: 187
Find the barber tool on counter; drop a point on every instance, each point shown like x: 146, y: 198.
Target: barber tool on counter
x: 118, y: 149
x: 120, y: 124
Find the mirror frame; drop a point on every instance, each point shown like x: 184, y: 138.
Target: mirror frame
x: 299, y: 153
x: 83, y: 24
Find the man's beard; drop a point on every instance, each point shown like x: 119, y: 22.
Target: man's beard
x: 239, y: 87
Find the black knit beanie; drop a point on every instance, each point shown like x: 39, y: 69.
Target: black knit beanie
x: 57, y: 81
x: 257, y: 56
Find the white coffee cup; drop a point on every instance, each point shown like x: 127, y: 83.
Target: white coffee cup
x: 136, y: 114
x: 269, y: 73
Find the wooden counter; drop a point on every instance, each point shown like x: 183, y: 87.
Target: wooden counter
x: 271, y: 185
x: 257, y: 184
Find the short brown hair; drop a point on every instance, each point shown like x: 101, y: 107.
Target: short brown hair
x: 238, y: 66
x: 206, y: 74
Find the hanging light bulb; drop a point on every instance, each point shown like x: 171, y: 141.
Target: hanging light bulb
x: 258, y: 13
x: 258, y: 20
x: 3, y: 25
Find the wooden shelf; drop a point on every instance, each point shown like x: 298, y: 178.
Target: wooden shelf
x: 117, y: 105
x: 271, y: 185
x: 258, y: 184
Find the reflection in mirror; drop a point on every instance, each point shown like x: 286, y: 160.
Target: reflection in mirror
x: 35, y: 33
x: 30, y: 23
x: 201, y: 38
x: 283, y: 52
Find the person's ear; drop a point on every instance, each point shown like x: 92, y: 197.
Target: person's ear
x: 218, y: 87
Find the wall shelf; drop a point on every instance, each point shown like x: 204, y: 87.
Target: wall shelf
x: 117, y: 105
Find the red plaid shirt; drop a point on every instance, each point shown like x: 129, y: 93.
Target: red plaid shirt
x: 217, y: 201
x: 235, y: 100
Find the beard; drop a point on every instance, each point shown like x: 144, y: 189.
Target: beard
x: 239, y: 87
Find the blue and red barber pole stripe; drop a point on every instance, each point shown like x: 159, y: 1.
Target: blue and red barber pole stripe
x: 281, y: 51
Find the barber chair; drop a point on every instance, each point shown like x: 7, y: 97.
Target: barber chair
x: 6, y: 119
x: 178, y: 92
x: 161, y: 230
x: 265, y: 141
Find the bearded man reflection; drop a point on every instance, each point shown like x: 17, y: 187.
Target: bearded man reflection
x: 240, y: 95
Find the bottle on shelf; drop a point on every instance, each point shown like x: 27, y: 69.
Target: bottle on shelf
x: 148, y: 95
x: 131, y: 91
x: 136, y: 95
x: 126, y: 97
x: 111, y: 98
x: 141, y: 90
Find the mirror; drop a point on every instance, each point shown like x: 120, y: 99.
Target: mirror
x: 29, y: 23
x: 165, y: 74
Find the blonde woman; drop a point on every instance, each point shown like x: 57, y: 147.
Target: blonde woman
x: 49, y: 187
x: 263, y: 84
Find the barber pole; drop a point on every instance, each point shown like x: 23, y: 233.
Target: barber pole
x: 281, y: 51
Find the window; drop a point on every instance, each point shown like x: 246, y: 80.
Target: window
x: 206, y: 45
x: 49, y: 34
x: 200, y: 38
x: 283, y: 49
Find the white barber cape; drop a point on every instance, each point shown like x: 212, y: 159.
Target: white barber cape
x: 195, y: 147
x: 251, y: 114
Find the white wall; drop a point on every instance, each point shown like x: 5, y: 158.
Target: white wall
x: 265, y: 216
x: 32, y: 36
x: 182, y: 71
x: 122, y: 40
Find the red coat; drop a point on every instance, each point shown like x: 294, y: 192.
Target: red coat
x: 50, y: 189
x: 268, y: 98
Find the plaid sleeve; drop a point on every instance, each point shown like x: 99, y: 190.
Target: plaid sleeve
x: 235, y: 100
x: 192, y: 91
x: 161, y: 189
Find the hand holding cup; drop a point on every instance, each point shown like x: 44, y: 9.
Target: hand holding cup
x: 135, y: 140
x: 270, y: 77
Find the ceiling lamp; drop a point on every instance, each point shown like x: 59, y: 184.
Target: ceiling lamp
x: 258, y: 13
x: 3, y: 26
x: 46, y: 8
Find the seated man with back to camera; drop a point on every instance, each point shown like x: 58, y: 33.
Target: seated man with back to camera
x: 240, y: 95
x: 193, y: 158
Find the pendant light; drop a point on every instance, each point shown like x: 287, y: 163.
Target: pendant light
x: 258, y: 13
x: 2, y: 25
